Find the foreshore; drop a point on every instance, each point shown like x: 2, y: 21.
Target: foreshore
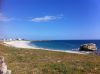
x: 19, y: 44
x: 26, y: 44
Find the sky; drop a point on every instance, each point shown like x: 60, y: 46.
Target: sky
x: 50, y: 19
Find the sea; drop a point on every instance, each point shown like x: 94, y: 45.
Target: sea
x: 64, y: 44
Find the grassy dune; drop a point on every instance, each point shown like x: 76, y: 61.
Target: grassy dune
x: 24, y: 61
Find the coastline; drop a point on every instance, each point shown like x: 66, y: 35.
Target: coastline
x: 26, y: 45
x: 19, y: 44
x: 25, y: 60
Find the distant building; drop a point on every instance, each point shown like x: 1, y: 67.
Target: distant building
x: 19, y: 39
x: 10, y: 39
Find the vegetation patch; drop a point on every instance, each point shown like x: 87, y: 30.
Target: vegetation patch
x: 33, y: 61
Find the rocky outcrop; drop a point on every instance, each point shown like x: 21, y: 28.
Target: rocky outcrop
x: 3, y: 66
x: 88, y: 47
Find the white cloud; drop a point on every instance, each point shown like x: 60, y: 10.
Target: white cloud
x: 4, y: 18
x: 45, y: 18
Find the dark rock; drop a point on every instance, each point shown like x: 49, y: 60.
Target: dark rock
x: 88, y: 47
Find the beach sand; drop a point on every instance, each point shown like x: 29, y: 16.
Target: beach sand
x: 19, y: 44
x: 26, y: 44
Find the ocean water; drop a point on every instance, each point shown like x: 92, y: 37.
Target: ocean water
x: 64, y: 44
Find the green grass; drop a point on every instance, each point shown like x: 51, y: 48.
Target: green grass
x: 29, y: 61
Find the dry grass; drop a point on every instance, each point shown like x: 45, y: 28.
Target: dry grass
x: 25, y: 61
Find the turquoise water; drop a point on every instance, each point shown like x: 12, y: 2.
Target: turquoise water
x: 63, y: 44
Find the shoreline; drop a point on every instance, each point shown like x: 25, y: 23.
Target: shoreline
x: 26, y: 45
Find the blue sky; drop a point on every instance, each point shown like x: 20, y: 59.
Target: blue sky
x: 50, y: 19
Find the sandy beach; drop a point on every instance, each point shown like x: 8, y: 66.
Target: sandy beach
x: 19, y: 44
x: 26, y: 44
